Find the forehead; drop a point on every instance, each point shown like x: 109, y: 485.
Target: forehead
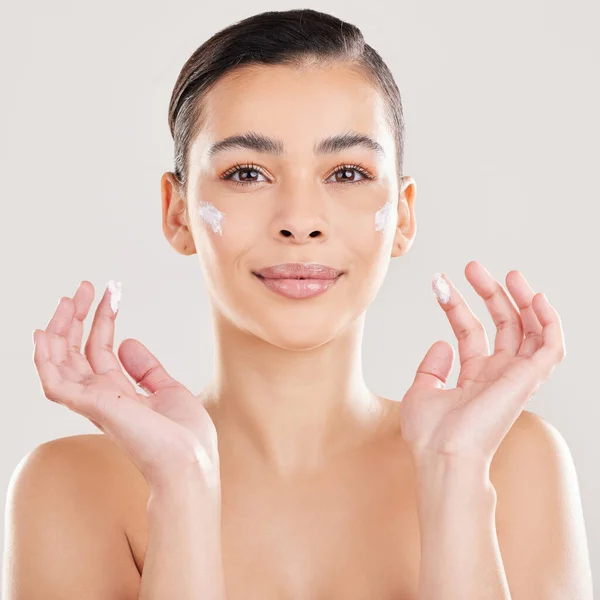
x: 297, y: 105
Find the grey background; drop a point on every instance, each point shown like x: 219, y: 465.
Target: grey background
x: 501, y: 103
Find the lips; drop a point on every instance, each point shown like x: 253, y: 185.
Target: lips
x: 299, y: 271
x: 299, y: 280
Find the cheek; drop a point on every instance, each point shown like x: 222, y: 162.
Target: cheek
x: 370, y: 241
x: 224, y: 239
x: 368, y: 231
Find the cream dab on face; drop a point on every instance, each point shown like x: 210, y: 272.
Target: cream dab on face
x: 382, y: 216
x: 212, y: 216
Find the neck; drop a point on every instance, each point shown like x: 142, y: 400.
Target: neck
x: 292, y: 410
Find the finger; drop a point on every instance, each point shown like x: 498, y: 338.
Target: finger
x: 61, y: 318
x: 99, y: 346
x: 532, y: 328
x: 57, y: 327
x: 504, y: 313
x: 470, y: 333
x: 144, y: 367
x: 553, y: 349
x: 435, y: 368
x: 82, y: 301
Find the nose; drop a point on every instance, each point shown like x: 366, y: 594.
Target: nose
x: 301, y: 217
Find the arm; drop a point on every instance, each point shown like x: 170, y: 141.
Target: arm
x: 63, y: 536
x: 460, y: 556
x: 183, y: 559
x: 534, y: 504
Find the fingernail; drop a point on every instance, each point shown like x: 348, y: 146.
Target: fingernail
x: 114, y: 289
x: 441, y: 288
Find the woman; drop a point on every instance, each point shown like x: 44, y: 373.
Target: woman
x: 286, y: 477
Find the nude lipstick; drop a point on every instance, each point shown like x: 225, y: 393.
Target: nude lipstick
x: 299, y: 280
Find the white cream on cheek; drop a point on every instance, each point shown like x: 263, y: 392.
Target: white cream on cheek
x: 383, y: 215
x: 212, y: 216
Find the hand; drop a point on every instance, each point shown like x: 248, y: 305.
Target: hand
x: 470, y: 421
x: 165, y: 433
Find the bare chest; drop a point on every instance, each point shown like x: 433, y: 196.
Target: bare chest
x: 350, y: 536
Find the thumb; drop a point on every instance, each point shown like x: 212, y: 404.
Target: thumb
x: 144, y: 367
x: 435, y: 368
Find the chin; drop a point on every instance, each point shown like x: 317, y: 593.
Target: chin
x: 297, y: 341
x: 300, y: 329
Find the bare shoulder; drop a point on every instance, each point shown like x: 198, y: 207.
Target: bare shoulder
x: 92, y: 465
x: 532, y: 444
x: 530, y: 437
x: 105, y: 476
x: 70, y: 494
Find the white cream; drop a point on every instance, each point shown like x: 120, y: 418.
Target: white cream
x: 441, y: 288
x: 382, y: 216
x: 212, y: 216
x: 114, y: 289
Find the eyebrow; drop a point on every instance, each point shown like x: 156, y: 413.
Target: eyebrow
x: 268, y: 145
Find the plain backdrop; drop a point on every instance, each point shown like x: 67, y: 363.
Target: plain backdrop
x: 502, y: 137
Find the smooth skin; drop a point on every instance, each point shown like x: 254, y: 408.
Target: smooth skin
x: 317, y: 472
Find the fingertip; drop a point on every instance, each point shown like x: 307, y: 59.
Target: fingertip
x: 36, y: 336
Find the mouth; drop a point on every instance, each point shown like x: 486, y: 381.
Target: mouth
x: 298, y: 280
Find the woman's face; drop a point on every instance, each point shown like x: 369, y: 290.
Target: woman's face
x: 253, y: 207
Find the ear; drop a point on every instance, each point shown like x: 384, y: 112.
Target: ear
x: 406, y: 227
x: 174, y: 215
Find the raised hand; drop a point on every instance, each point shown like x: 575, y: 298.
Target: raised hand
x: 165, y: 433
x: 470, y: 421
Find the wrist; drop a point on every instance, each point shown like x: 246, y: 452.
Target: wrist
x: 449, y: 473
x: 190, y: 482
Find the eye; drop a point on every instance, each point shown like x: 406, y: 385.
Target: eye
x: 250, y: 168
x: 345, y: 169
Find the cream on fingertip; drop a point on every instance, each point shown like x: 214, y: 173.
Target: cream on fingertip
x: 440, y: 288
x: 114, y: 289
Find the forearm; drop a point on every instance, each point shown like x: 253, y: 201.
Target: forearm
x: 183, y: 557
x: 460, y: 555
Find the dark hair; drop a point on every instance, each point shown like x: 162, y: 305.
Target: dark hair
x: 296, y: 37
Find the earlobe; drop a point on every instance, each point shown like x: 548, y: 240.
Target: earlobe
x: 174, y: 216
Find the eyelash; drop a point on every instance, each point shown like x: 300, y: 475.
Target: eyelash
x: 227, y: 176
